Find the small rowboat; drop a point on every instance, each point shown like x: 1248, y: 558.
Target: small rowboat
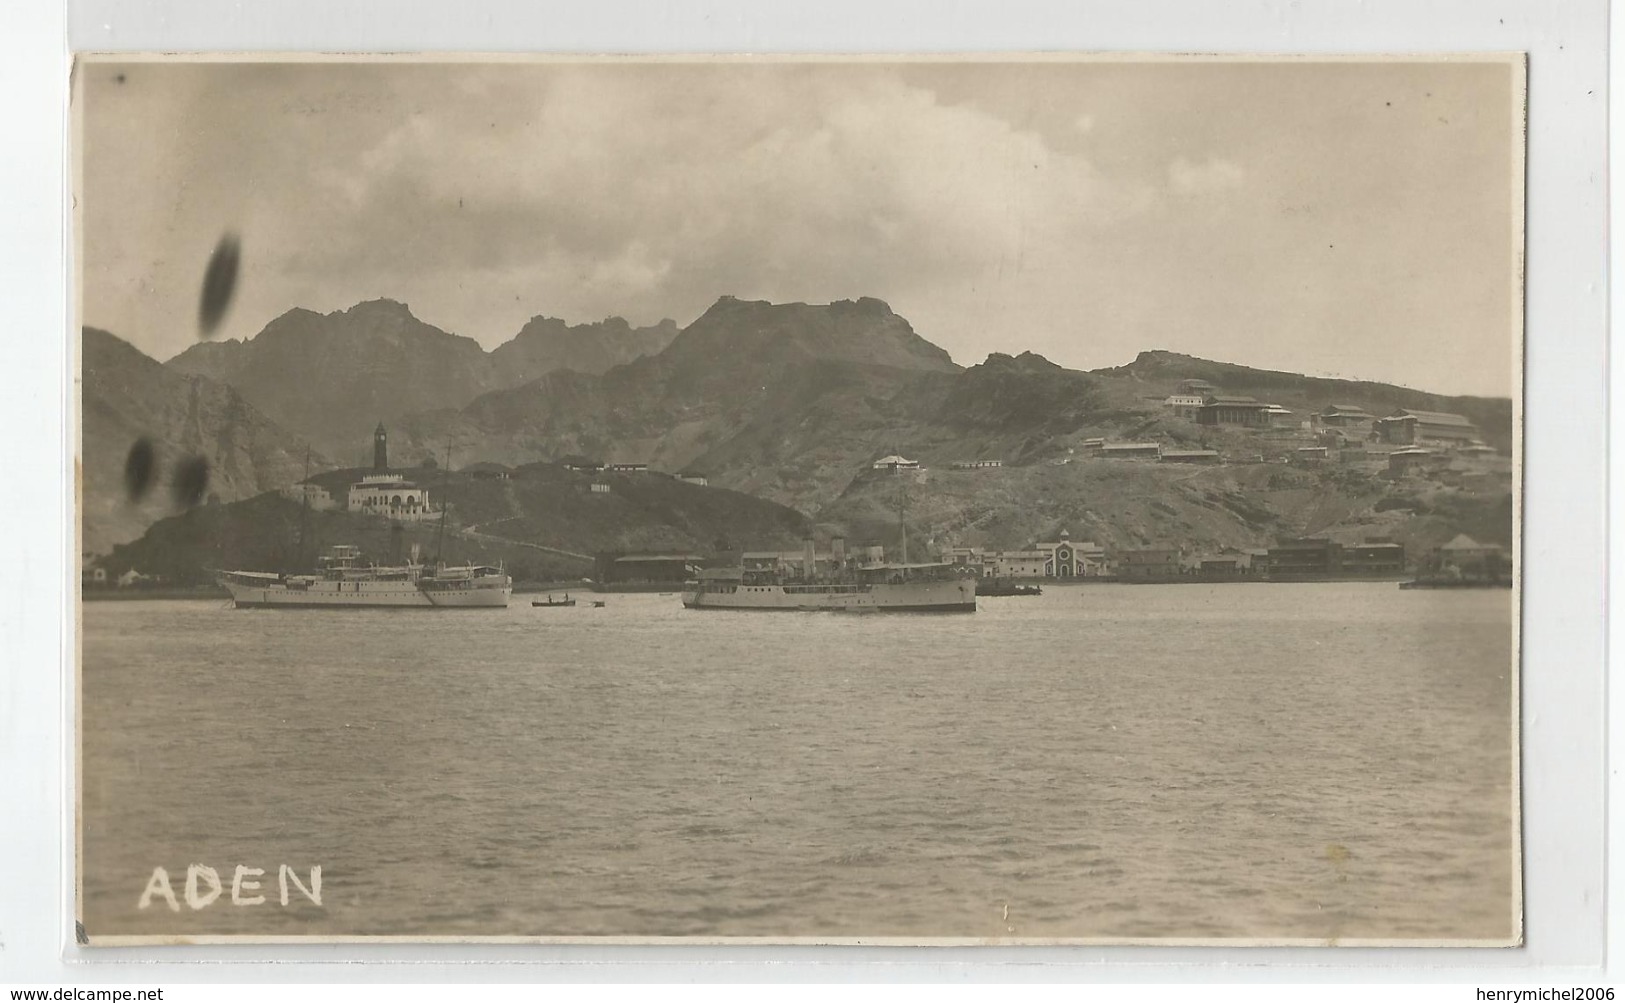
x: 566, y: 601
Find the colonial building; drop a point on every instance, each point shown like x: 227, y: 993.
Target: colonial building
x: 1345, y: 416
x: 1405, y: 461
x: 694, y: 477
x: 1318, y: 558
x: 1222, y: 567
x: 1068, y: 559
x: 1189, y: 456
x: 1374, y: 558
x: 306, y: 493
x: 1305, y: 558
x: 896, y: 463
x: 1281, y: 418
x: 1131, y: 450
x: 1062, y: 558
x: 627, y: 468
x: 392, y: 496
x: 1464, y: 551
x: 1184, y: 405
x: 1408, y: 427
x: 1243, y: 412
x: 1144, y: 565
x: 977, y: 464
x: 386, y: 494
x: 1016, y: 564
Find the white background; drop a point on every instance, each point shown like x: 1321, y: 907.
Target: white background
x: 1564, y: 697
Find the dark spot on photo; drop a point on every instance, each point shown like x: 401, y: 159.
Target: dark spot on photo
x: 139, y: 465
x: 191, y: 480
x: 219, y: 283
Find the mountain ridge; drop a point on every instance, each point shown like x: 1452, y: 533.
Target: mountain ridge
x: 128, y: 396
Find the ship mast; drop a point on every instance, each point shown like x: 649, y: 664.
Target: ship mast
x: 304, y: 514
x: 902, y: 522
x: 440, y: 534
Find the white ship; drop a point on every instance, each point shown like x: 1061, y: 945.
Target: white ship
x: 343, y: 582
x: 839, y: 582
x: 878, y: 588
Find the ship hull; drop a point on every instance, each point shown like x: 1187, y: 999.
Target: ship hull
x: 955, y: 596
x: 365, y: 595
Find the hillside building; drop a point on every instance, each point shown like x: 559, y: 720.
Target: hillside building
x: 977, y: 464
x: 387, y: 494
x: 1407, y: 461
x: 1464, y: 552
x: 391, y: 496
x: 694, y: 477
x: 1279, y: 417
x: 314, y: 495
x: 1345, y: 416
x: 1408, y: 427
x: 1184, y: 406
x: 132, y: 578
x: 1189, y: 456
x: 896, y: 464
x: 1131, y: 450
x: 1240, y: 412
x: 626, y: 468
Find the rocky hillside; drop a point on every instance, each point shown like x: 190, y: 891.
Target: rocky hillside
x: 543, y: 521
x: 787, y: 401
x: 547, y: 343
x: 791, y: 402
x: 334, y: 376
x: 127, y: 396
x: 1204, y: 510
x: 1157, y: 373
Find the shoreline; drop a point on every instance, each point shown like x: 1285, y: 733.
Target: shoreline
x: 583, y: 589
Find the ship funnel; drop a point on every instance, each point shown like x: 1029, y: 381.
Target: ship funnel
x: 415, y: 549
x: 837, y: 549
x: 809, y: 562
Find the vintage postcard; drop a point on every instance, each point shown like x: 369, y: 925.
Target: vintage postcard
x: 1128, y: 448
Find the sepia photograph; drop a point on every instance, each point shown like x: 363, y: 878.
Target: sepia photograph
x: 1130, y: 445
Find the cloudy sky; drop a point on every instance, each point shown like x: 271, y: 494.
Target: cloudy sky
x: 1349, y: 219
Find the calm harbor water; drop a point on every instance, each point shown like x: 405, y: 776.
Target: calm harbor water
x: 1260, y: 761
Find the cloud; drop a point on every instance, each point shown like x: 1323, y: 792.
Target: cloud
x: 1213, y: 175
x: 1082, y: 211
x: 810, y: 184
